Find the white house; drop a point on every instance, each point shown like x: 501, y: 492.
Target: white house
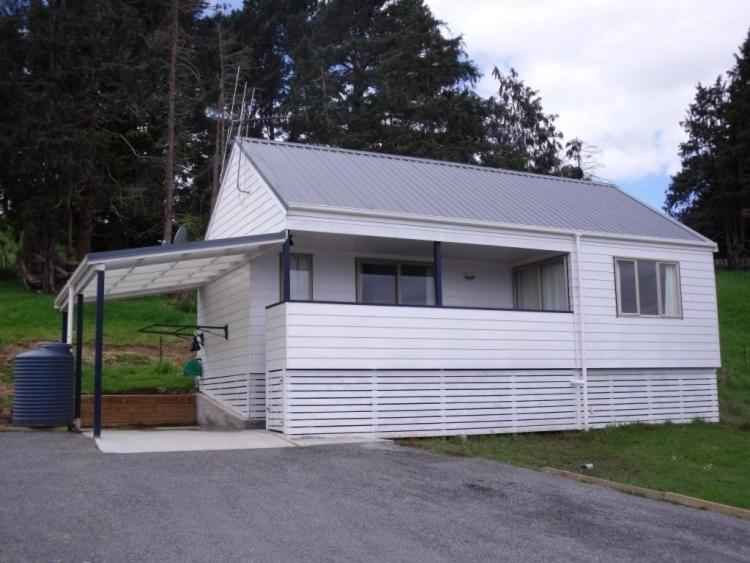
x: 393, y: 296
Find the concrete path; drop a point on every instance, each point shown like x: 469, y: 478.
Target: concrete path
x: 154, y: 440
x: 63, y: 500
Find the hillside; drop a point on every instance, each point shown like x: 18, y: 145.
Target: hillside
x: 131, y: 358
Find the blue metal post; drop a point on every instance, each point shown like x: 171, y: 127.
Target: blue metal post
x: 286, y: 270
x: 65, y: 325
x: 437, y: 250
x: 79, y: 358
x: 98, y: 345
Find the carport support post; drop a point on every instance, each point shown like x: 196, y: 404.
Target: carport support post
x: 98, y: 351
x: 437, y: 251
x: 79, y: 360
x: 286, y: 268
x: 65, y: 325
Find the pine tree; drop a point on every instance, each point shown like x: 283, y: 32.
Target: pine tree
x: 519, y: 135
x: 380, y: 75
x: 711, y: 193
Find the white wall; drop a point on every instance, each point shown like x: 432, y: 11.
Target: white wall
x: 334, y: 278
x: 246, y: 205
x: 340, y: 336
x: 264, y: 290
x: 633, y: 342
x: 225, y: 362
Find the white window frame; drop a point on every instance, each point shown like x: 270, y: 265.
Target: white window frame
x: 538, y: 265
x: 618, y: 290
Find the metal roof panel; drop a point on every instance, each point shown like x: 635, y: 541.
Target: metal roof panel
x: 347, y: 179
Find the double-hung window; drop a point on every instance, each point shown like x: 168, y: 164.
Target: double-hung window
x: 649, y: 288
x: 391, y: 283
x: 542, y: 286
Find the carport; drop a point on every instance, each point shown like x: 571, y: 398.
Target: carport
x: 138, y: 272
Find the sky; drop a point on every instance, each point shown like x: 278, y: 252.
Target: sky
x: 619, y: 74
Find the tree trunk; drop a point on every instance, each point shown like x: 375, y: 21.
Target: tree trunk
x: 734, y: 241
x: 219, y: 149
x: 89, y: 187
x: 168, y: 207
x: 69, y: 227
x: 86, y: 227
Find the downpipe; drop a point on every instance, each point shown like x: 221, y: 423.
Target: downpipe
x: 583, y: 382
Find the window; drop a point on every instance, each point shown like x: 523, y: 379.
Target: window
x: 391, y: 283
x: 300, y: 277
x: 543, y: 286
x: 647, y: 288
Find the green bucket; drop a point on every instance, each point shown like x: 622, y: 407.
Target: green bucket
x: 193, y: 368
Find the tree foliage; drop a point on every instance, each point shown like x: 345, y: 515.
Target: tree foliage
x: 711, y: 192
x: 99, y: 152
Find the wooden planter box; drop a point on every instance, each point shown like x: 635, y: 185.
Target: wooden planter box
x: 141, y: 410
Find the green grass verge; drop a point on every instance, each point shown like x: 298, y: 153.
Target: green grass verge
x: 709, y: 461
x: 733, y: 290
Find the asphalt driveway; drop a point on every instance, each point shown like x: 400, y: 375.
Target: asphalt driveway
x: 62, y: 500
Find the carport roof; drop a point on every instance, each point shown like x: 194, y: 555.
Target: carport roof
x: 153, y: 270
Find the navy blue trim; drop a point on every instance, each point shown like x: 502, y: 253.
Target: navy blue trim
x: 98, y: 345
x: 286, y: 269
x: 79, y: 357
x: 437, y: 274
x: 418, y: 306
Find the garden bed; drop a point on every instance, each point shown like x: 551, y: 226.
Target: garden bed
x: 177, y: 409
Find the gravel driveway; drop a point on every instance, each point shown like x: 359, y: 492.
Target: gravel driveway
x: 62, y: 500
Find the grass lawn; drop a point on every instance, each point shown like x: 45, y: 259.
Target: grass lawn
x: 131, y: 360
x: 710, y: 461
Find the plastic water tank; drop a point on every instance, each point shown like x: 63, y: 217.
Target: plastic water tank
x: 43, y: 394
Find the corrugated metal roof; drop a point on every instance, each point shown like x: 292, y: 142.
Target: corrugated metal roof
x: 314, y: 175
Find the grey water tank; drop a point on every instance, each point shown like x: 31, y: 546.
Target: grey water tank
x: 43, y: 389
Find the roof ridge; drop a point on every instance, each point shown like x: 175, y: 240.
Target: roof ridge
x: 431, y: 161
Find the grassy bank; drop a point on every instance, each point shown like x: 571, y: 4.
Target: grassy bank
x: 131, y: 360
x: 709, y: 461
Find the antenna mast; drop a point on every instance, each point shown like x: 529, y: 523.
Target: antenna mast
x: 231, y: 123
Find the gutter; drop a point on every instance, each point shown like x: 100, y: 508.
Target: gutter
x: 311, y: 208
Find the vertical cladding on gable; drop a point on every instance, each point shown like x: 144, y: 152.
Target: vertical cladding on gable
x: 633, y: 342
x: 246, y: 205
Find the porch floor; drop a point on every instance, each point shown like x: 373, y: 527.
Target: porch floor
x: 193, y: 439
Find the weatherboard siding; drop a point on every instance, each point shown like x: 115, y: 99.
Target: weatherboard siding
x: 246, y: 205
x: 614, y: 341
x: 225, y: 362
x: 342, y: 336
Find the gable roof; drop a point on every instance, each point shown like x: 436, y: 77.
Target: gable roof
x: 347, y: 179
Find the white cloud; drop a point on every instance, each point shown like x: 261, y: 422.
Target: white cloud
x: 620, y: 75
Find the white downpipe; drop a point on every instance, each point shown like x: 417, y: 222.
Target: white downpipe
x: 71, y: 309
x: 582, y: 333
